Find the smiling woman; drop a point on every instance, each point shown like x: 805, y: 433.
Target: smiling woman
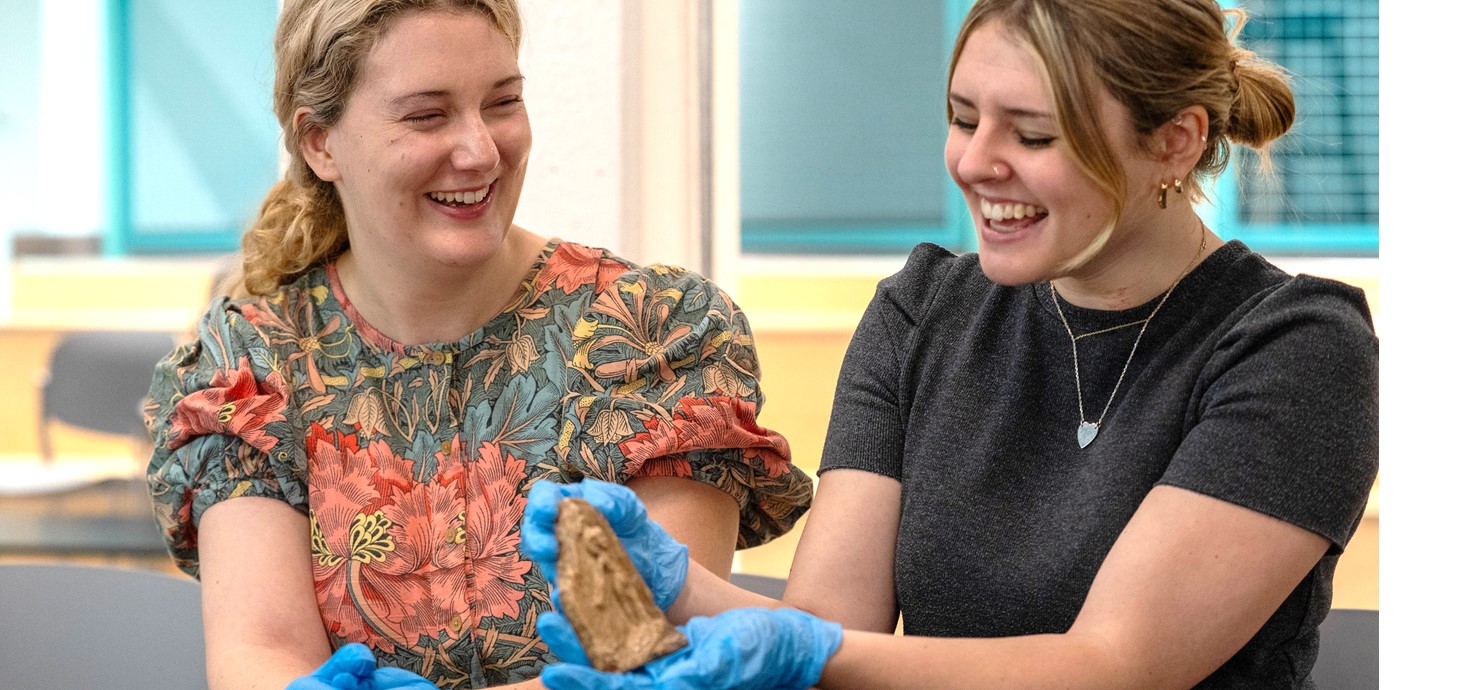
x: 429, y: 125
x: 343, y: 453
x: 1107, y: 450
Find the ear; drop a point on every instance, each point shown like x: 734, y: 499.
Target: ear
x: 314, y: 146
x: 1183, y: 140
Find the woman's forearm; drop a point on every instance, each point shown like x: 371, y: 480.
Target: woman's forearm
x: 706, y: 594
x: 251, y: 667
x: 890, y: 662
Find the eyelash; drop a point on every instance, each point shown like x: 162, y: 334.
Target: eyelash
x: 510, y: 100
x: 1030, y: 142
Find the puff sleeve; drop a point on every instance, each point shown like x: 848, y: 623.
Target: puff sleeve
x: 219, y: 415
x: 664, y: 381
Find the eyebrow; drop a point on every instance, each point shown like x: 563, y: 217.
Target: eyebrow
x: 1023, y: 113
x: 409, y: 98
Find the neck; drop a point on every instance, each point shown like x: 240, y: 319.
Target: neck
x: 1139, y: 266
x: 440, y: 304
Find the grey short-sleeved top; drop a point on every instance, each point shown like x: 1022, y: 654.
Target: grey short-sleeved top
x: 1250, y: 385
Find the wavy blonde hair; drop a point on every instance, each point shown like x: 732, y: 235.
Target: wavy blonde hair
x: 1156, y: 57
x: 319, y: 48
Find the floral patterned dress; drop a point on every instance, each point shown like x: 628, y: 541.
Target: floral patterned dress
x: 413, y: 461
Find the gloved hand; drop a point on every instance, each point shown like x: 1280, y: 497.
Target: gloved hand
x: 662, y: 561
x: 740, y: 649
x: 352, y: 667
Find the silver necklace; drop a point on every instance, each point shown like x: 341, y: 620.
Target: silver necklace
x: 1087, y: 430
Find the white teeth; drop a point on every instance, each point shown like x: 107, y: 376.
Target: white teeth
x: 998, y: 212
x: 460, y: 197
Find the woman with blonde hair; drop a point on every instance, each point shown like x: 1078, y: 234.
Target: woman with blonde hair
x: 1108, y: 450
x: 342, y: 456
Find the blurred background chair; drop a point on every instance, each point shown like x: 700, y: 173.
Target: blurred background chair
x: 76, y: 626
x: 1348, y: 651
x: 764, y: 585
x: 87, y: 504
x: 97, y: 380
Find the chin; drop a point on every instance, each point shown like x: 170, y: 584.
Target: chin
x: 1009, y: 273
x: 466, y: 252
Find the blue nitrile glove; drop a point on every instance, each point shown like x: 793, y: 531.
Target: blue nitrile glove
x: 391, y: 678
x: 352, y: 667
x: 740, y: 649
x: 558, y: 634
x: 662, y: 561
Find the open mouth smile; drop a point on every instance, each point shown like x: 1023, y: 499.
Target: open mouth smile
x: 460, y: 199
x: 996, y: 213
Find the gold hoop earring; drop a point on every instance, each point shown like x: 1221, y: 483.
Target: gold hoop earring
x: 1161, y: 198
x: 1177, y: 185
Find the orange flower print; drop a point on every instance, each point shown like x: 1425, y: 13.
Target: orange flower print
x: 668, y: 466
x: 572, y: 266
x: 234, y: 403
x: 425, y: 572
x: 704, y: 423
x: 351, y: 538
x: 494, y: 511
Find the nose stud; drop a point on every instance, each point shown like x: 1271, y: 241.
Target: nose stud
x: 995, y: 166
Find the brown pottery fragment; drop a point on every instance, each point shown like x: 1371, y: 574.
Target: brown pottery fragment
x: 604, y: 597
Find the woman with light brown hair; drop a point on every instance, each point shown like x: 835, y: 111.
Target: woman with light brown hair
x: 1108, y: 450
x: 343, y: 454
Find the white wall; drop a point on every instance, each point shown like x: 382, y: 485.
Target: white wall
x: 572, y: 57
x: 621, y: 157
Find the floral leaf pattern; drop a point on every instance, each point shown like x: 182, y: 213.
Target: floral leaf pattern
x: 412, y: 462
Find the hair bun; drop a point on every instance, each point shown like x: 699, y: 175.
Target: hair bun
x: 1263, y: 107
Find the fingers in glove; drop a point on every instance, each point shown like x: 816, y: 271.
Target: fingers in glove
x: 539, y: 520
x: 560, y: 638
x: 619, y: 505
x: 390, y: 678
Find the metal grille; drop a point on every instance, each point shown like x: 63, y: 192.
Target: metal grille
x: 1326, y: 170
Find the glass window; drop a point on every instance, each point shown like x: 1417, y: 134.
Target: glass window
x: 194, y: 144
x: 842, y: 126
x: 1321, y: 195
x: 842, y: 129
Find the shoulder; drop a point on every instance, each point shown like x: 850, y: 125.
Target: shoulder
x: 655, y: 287
x: 1322, y: 299
x: 932, y: 274
x: 274, y: 321
x: 1274, y: 302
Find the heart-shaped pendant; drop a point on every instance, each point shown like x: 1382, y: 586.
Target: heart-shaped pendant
x: 1086, y: 433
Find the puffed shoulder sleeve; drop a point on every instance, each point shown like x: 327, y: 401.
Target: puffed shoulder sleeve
x: 1288, y: 413
x: 219, y: 413
x: 664, y: 381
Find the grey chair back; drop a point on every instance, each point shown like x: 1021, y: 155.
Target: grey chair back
x: 75, y: 626
x: 1348, y: 651
x: 764, y: 585
x: 97, y: 380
